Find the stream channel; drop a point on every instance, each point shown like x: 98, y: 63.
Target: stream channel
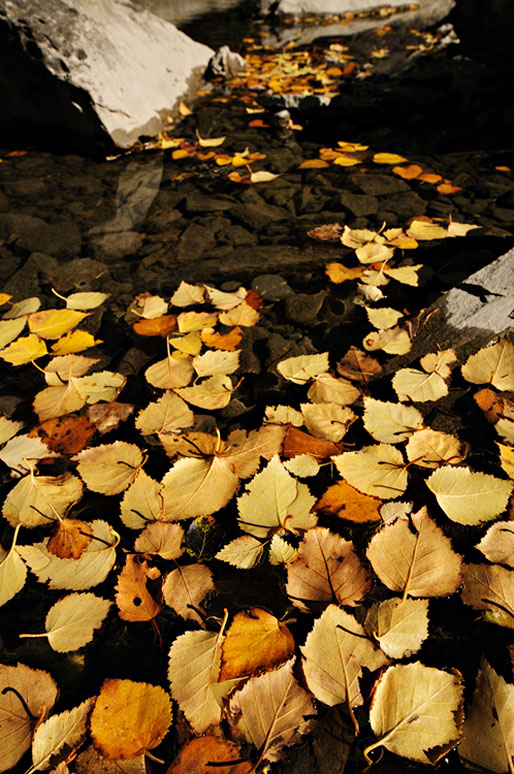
x: 145, y: 221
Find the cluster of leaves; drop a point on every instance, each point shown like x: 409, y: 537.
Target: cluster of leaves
x: 246, y: 685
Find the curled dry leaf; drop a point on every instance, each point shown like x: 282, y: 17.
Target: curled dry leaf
x: 134, y: 600
x: 129, y: 718
x: 185, y: 588
x: 390, y: 422
x: 256, y: 640
x: 399, y: 625
x: 379, y: 471
x: 346, y: 502
x: 39, y: 693
x: 111, y: 468
x: 271, y: 711
x: 326, y: 570
x: 334, y: 655
x: 469, y: 497
x: 196, y: 755
x: 416, y: 709
x: 303, y: 368
x: 71, y: 538
x: 415, y: 558
x: 429, y: 448
x: 358, y: 366
x: 489, y: 728
x: 65, y: 731
x: 490, y: 588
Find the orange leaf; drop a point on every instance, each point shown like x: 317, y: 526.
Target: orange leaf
x: 299, y: 442
x: 184, y: 110
x: 256, y: 640
x: 491, y: 404
x: 132, y: 596
x: 196, y: 755
x: 253, y: 299
x: 313, y: 164
x: 237, y: 178
x: 157, y: 326
x: 129, y: 718
x: 447, y: 188
x: 259, y: 123
x: 225, y: 341
x: 429, y: 177
x: 71, y: 539
x: 408, y: 173
x: 328, y: 232
x: 339, y: 273
x: 346, y: 502
x: 65, y: 435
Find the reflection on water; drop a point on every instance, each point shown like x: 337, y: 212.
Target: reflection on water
x: 182, y: 12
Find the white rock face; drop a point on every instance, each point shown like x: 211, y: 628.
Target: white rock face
x: 94, y: 61
x: 339, y: 7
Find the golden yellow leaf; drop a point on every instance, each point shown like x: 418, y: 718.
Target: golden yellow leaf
x: 85, y: 300
x: 388, y: 158
x: 373, y: 252
x: 492, y: 365
x: 378, y: 471
x: 212, y: 393
x: 399, y: 625
x: 342, y: 160
x: 256, y: 640
x: 110, y: 468
x: 429, y: 448
x: 187, y: 295
x: 10, y: 329
x: 242, y: 315
x: 346, y: 502
x: 174, y: 371
x: 447, y: 188
x: 197, y: 487
x: 142, y: 502
x: 410, y: 384
x: 327, y: 420
x: 313, y: 164
x: 303, y: 368
x: 429, y: 177
x: 394, y: 341
x: 211, y: 142
x: 469, y: 497
x: 195, y: 321
x: 24, y: 350
x: 383, y: 317
x: 339, y: 273
x: 58, y: 401
x: 390, y: 422
x: 75, y: 341
x: 129, y: 718
x: 224, y: 341
x: 53, y: 323
x: 36, y: 500
x: 168, y: 414
x: 196, y: 755
x: 326, y: 388
x: 408, y: 173
x: 422, y: 230
x: 4, y: 298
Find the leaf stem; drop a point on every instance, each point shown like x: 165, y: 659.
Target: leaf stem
x: 10, y: 689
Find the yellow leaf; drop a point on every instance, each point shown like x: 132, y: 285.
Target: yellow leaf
x: 408, y: 173
x: 469, y: 497
x: 492, y: 365
x: 256, y: 640
x: 507, y: 459
x: 423, y: 230
x: 10, y: 329
x: 346, y: 502
x: 313, y: 164
x: 262, y: 176
x: 346, y: 161
x: 388, y: 158
x: 446, y: 188
x: 4, y: 298
x: 24, y: 350
x: 339, y: 273
x: 184, y: 110
x: 110, y: 468
x: 212, y: 142
x: 76, y: 341
x: 400, y: 626
x: 375, y: 470
x: 390, y: 422
x: 52, y: 323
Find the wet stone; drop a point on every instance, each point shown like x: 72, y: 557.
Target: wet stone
x: 359, y: 204
x: 303, y: 308
x: 4, y: 202
x: 237, y: 235
x: 28, y: 187
x: 195, y: 241
x: 116, y: 245
x: 198, y: 202
x: 380, y: 185
x: 258, y: 215
x: 406, y: 205
x: 272, y: 287
x: 34, y: 234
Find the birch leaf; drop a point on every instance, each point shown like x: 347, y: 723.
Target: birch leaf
x: 439, y: 362
x: 187, y: 295
x: 399, y: 626
x: 280, y: 551
x: 271, y: 711
x: 490, y: 588
x: 222, y: 300
x: 85, y: 300
x: 416, y: 709
x: 212, y: 393
x: 129, y: 718
x: 334, y: 655
x: 161, y: 539
x: 394, y: 341
x: 390, y: 422
x: 110, y: 468
x: 100, y: 386
x: 410, y: 384
x: 327, y: 420
x: 407, y: 275
x: 429, y: 448
x: 39, y: 692
x: 489, y: 728
x: 189, y: 343
x: 246, y: 450
x: 383, y: 317
x: 89, y: 570
x: 71, y: 622
x: 497, y: 545
x: 328, y: 389
x: 303, y: 466
x: 185, y: 588
x: 90, y: 760
x: 22, y: 308
x: 168, y: 414
x: 35, y: 500
x: 256, y: 640
x: 170, y: 373
x: 243, y: 315
x: 195, y: 321
x: 10, y: 330
x: 53, y: 323
x: 57, y: 401
x: 226, y: 341
x: 243, y: 552
x: 197, y: 487
x: 375, y: 470
x: 193, y: 671
x: 64, y: 731
x: 507, y: 459
x: 24, y: 350
x: 13, y: 572
x: 415, y: 558
x: 216, y: 361
x: 492, y: 365
x: 134, y: 600
x: 8, y: 429
x: 199, y: 753
x: 284, y: 415
x: 22, y: 450
x: 303, y: 368
x: 344, y: 501
x: 74, y: 341
x: 469, y: 497
x: 422, y: 230
x: 275, y: 500
x: 326, y: 570
x: 142, y: 501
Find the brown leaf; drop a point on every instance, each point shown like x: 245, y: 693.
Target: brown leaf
x: 157, y: 326
x: 299, y: 442
x: 256, y: 640
x: 71, y: 538
x: 107, y: 416
x: 490, y: 588
x: 328, y: 232
x: 129, y: 718
x: 245, y: 451
x: 225, y: 341
x: 186, y: 587
x: 491, y: 404
x: 195, y: 756
x: 271, y: 711
x: 132, y: 595
x: 358, y: 366
x: 65, y: 435
x: 327, y: 570
x: 346, y: 502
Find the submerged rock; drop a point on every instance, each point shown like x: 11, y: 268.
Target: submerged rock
x: 100, y: 73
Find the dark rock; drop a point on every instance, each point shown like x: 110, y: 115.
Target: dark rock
x: 359, y: 204
x: 195, y: 241
x: 258, y: 215
x: 303, y: 308
x: 99, y: 73
x: 379, y: 185
x: 27, y: 187
x: 237, y: 235
x: 35, y: 235
x: 4, y: 202
x: 30, y: 278
x: 117, y: 245
x: 406, y: 205
x: 272, y: 287
x: 486, y: 30
x: 198, y: 202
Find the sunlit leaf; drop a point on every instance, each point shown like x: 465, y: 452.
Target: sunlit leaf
x: 469, y: 497
x: 375, y: 470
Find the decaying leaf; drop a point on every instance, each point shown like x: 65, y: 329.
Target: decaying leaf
x: 490, y: 588
x: 129, y: 718
x: 186, y: 587
x: 134, y: 600
x: 271, y: 711
x: 256, y: 640
x: 346, y: 502
x: 497, y: 545
x: 416, y: 709
x: 71, y: 538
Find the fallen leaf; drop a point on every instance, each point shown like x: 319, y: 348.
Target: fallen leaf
x: 492, y: 365
x: 13, y: 575
x: 134, y: 600
x: 71, y: 538
x: 168, y: 414
x: 327, y: 420
x: 129, y: 718
x: 22, y: 453
x: 394, y: 341
x: 161, y: 539
x: 196, y: 755
x: 328, y: 389
x: 346, y: 502
x: 243, y: 552
x: 497, y: 545
x: 107, y: 416
x: 303, y: 368
x: 384, y: 317
x: 216, y: 362
x: 429, y: 448
x: 299, y: 442
x: 157, y: 326
x: 53, y: 323
x: 422, y: 230
x: 195, y: 321
x: 429, y: 177
x: 65, y: 435
x: 75, y: 341
x: 408, y: 173
x: 338, y: 273
x: 63, y: 731
x: 388, y: 158
x: 358, y: 366
x: 24, y: 350
x: 390, y: 422
x: 271, y: 711
x: 110, y: 468
x: 8, y: 429
x: 242, y: 315
x: 313, y: 164
x: 71, y: 622
x: 303, y: 466
x: 187, y: 295
x: 185, y: 588
x: 280, y: 551
x: 414, y: 557
x: 283, y: 415
x: 10, y: 330
x: 326, y: 570
x: 410, y: 384
x: 197, y: 487
x: 85, y: 300
x: 490, y: 588
x: 142, y: 502
x: 378, y: 471
x: 427, y: 716
x: 469, y: 497
x: 212, y: 142
x: 224, y: 341
x: 212, y: 393
x: 447, y: 188
x: 256, y: 640
x: 37, y: 500
x: 399, y: 625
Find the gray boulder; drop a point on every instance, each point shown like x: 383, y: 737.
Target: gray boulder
x: 102, y: 72
x: 339, y: 7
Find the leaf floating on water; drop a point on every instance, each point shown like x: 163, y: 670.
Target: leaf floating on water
x: 129, y: 718
x: 415, y: 709
x: 469, y: 497
x: 271, y: 711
